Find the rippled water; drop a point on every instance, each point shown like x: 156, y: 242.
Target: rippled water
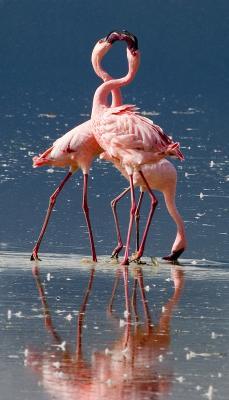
x: 65, y: 331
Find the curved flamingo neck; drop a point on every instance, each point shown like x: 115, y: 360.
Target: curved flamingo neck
x: 101, y: 94
x: 101, y: 73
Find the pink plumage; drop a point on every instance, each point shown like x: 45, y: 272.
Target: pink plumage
x: 76, y: 149
x: 122, y: 131
x: 130, y: 138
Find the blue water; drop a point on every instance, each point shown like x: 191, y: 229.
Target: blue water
x: 63, y: 336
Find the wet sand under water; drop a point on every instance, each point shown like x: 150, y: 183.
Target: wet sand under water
x: 66, y: 332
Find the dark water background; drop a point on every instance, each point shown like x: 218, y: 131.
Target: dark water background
x: 183, y: 81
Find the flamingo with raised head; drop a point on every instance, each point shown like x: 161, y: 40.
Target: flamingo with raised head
x: 127, y: 136
x: 161, y: 175
x: 77, y: 149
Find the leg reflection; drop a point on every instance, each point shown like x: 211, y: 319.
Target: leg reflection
x: 131, y: 366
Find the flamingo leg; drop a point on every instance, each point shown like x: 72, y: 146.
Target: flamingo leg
x: 52, y: 202
x: 114, y: 202
x: 137, y: 219
x: 153, y: 206
x: 87, y: 217
x: 132, y: 213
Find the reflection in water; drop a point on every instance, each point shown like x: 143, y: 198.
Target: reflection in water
x: 131, y: 368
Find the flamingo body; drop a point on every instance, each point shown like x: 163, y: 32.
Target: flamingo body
x: 161, y: 176
x: 122, y: 132
x: 132, y: 138
x: 76, y: 149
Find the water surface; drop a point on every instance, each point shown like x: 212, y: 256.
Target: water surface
x: 66, y: 333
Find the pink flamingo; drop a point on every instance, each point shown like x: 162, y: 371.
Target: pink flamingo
x: 77, y: 148
x: 128, y: 137
x: 161, y: 176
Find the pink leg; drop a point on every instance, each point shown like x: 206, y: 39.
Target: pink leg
x: 137, y: 218
x: 86, y: 213
x: 132, y: 212
x: 153, y: 206
x: 114, y: 202
x: 52, y: 202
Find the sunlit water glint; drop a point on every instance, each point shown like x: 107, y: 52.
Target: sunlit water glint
x: 76, y: 333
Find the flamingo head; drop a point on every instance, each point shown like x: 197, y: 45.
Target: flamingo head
x: 101, y: 48
x: 104, y: 45
x: 99, y: 51
x: 129, y: 38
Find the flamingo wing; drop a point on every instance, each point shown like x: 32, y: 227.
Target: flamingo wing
x: 77, y: 146
x: 122, y: 128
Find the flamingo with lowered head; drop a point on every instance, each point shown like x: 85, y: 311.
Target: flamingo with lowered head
x: 128, y: 137
x: 77, y: 149
x: 160, y: 176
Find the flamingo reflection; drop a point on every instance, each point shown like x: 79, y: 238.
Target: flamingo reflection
x: 131, y: 368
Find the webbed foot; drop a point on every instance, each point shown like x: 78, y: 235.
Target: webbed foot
x: 174, y: 255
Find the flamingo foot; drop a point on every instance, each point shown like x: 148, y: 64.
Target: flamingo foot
x: 137, y: 259
x: 34, y: 256
x: 174, y: 255
x: 116, y: 251
x: 125, y: 261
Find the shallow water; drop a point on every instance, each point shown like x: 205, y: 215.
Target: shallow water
x: 202, y: 190
x: 65, y: 332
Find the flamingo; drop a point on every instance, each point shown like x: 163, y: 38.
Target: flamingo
x: 129, y: 137
x: 77, y: 149
x: 161, y: 176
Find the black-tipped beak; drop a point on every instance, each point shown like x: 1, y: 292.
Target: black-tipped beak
x: 130, y: 39
x: 112, y: 37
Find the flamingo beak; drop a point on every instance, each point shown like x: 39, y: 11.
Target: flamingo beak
x: 129, y: 38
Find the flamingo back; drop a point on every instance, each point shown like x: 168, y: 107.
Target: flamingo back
x: 119, y: 129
